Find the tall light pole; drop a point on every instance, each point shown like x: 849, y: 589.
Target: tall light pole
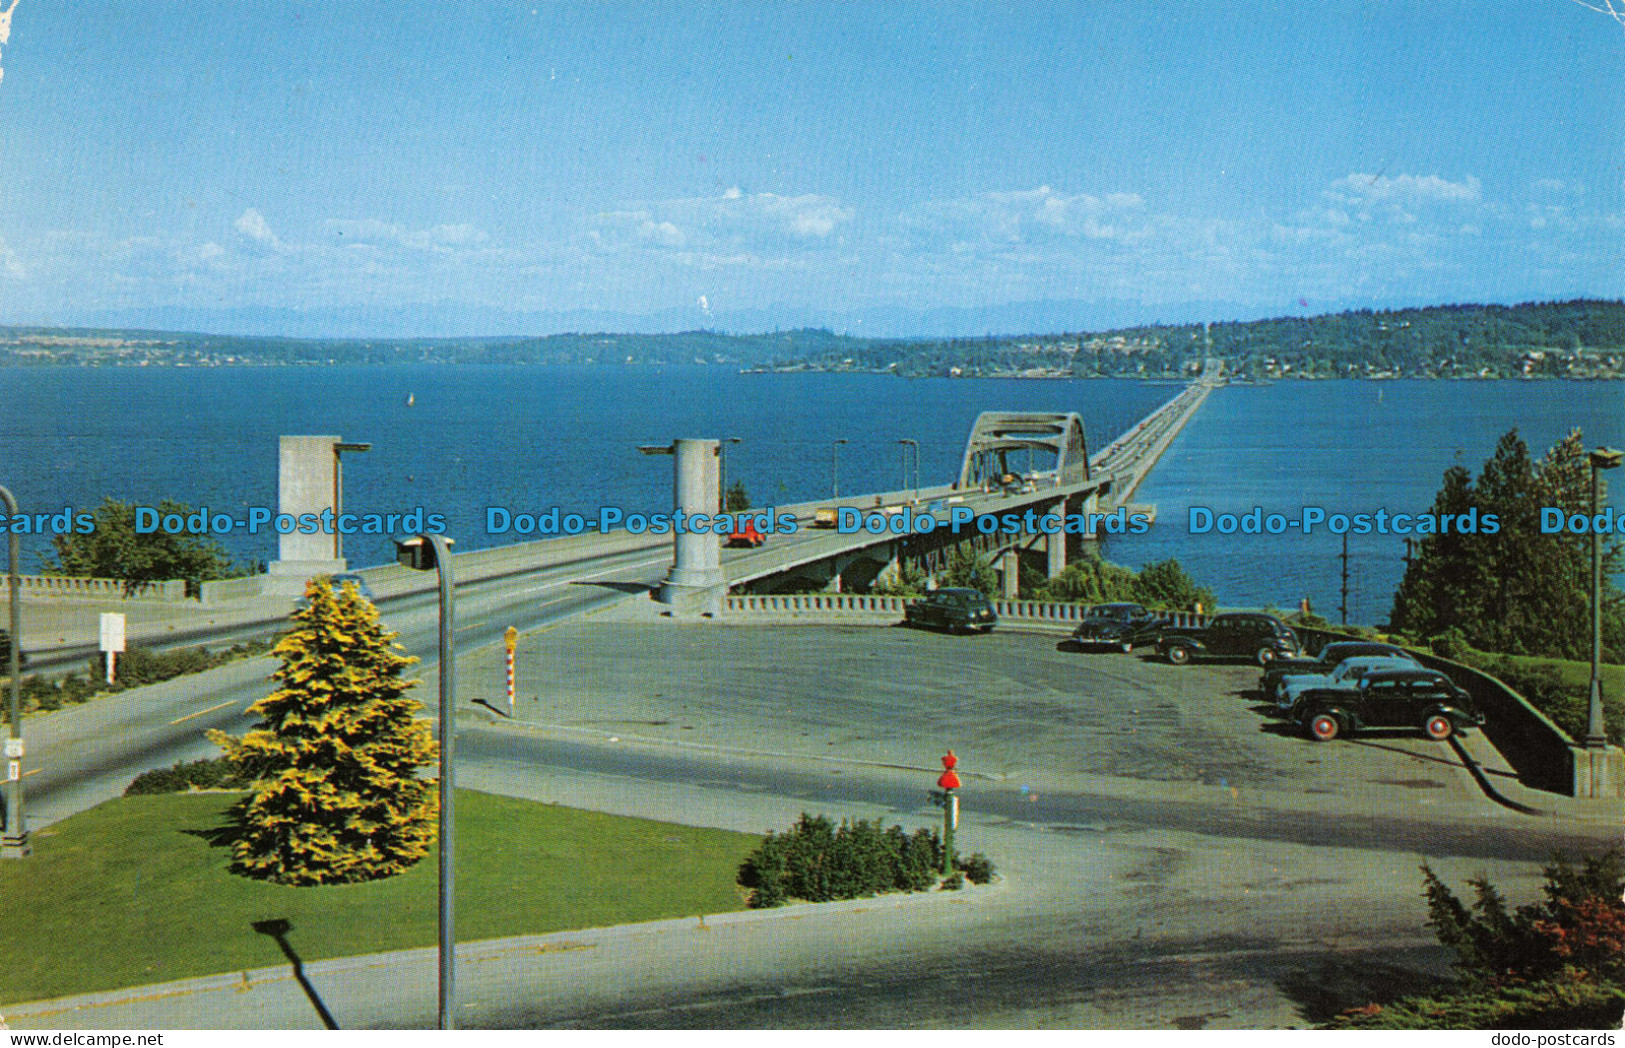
x: 433, y: 553
x: 722, y: 472
x: 835, y: 468
x: 14, y: 843
x: 906, y: 445
x: 1596, y: 723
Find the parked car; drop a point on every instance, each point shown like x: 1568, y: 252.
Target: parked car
x: 1345, y: 676
x: 1117, y: 626
x: 1419, y: 698
x: 955, y: 610
x: 1262, y: 638
x: 1325, y: 662
x: 745, y: 535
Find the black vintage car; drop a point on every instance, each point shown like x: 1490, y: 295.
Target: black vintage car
x: 1252, y: 635
x: 1117, y: 626
x: 954, y: 610
x: 1424, y: 699
x: 1330, y: 656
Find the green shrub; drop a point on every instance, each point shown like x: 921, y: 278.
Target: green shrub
x: 217, y: 773
x: 978, y: 868
x: 1554, y: 964
x: 1551, y: 1005
x: 817, y: 861
x: 953, y: 882
x: 1451, y: 644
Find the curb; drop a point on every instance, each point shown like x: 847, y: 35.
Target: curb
x: 484, y: 950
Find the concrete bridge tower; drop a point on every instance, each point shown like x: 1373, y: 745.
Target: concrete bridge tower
x: 308, y: 481
x: 696, y: 583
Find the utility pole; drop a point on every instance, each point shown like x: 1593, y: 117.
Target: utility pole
x: 1343, y: 609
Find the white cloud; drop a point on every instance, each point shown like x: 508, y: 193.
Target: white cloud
x: 252, y: 225
x: 733, y: 224
x: 1379, y: 188
x: 370, y: 232
x: 1020, y: 215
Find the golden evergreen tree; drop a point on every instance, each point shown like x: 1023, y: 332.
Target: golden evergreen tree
x: 336, y: 753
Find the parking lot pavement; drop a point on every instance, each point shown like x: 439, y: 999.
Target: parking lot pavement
x: 1020, y: 709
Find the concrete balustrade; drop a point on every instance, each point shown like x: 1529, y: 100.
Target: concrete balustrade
x: 865, y: 605
x: 69, y: 587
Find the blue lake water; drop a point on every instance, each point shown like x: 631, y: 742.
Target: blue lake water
x: 529, y: 438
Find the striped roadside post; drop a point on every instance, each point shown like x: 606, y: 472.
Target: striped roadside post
x: 512, y: 639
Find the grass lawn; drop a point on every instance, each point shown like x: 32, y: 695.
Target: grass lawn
x: 130, y: 892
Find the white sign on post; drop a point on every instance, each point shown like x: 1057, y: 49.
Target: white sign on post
x: 14, y: 748
x: 112, y: 639
x: 112, y: 631
x: 14, y: 771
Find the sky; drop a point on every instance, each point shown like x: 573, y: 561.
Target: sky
x: 256, y: 163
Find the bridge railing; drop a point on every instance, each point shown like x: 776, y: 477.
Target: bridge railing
x: 71, y: 587
x: 862, y: 604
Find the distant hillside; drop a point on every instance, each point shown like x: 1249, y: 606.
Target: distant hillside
x: 111, y: 347
x: 1578, y: 339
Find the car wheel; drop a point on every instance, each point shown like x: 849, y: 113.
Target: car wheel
x: 1265, y: 656
x: 1323, y: 727
x: 1438, y: 727
x: 1179, y: 654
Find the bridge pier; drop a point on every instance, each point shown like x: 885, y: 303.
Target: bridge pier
x: 696, y: 583
x: 1055, y: 545
x: 1010, y: 574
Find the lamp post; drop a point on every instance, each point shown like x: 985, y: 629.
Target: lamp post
x: 915, y: 445
x: 14, y: 843
x: 722, y: 472
x: 433, y: 553
x: 1596, y: 724
x: 835, y: 468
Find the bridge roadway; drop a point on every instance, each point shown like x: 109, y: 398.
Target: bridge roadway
x: 63, y: 633
x: 82, y: 755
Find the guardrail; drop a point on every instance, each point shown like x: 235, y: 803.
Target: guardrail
x: 71, y: 587
x: 820, y: 604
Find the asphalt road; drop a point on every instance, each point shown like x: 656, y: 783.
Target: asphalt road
x: 1167, y: 859
x: 82, y: 755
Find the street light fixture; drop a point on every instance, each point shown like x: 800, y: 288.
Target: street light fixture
x: 914, y: 444
x: 1596, y: 723
x: 835, y: 468
x: 433, y: 553
x: 14, y: 842
x: 722, y: 472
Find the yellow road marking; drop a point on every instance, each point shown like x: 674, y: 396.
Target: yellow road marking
x: 199, y: 713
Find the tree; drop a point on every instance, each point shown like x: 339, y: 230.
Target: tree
x: 114, y: 550
x: 1090, y: 580
x: 1165, y: 585
x: 335, y: 756
x: 735, y: 500
x: 1515, y: 589
x: 971, y: 570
